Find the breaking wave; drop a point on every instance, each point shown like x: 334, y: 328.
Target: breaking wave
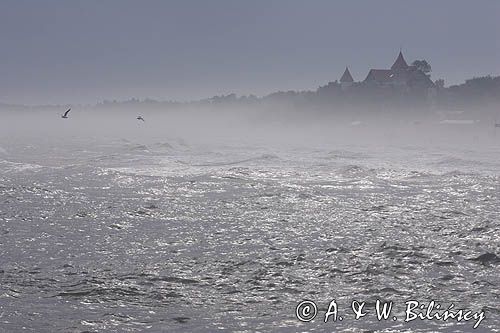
x: 8, y: 166
x: 264, y: 157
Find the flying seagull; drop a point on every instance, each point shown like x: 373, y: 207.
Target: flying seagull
x: 65, y: 115
x: 140, y: 118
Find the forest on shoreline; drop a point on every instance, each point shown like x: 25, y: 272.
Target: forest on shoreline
x: 476, y: 92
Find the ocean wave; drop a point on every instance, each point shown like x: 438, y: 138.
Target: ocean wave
x: 264, y: 157
x: 8, y: 166
x: 353, y: 169
x: 345, y: 154
x: 163, y: 145
x: 137, y: 147
x: 454, y: 161
x: 463, y: 166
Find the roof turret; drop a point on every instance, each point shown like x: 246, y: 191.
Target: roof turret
x: 400, y: 63
x: 346, y: 77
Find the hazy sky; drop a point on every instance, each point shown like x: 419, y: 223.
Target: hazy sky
x: 63, y: 51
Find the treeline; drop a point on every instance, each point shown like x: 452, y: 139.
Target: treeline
x: 474, y: 91
x: 483, y: 90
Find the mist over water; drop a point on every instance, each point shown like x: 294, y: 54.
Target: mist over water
x: 224, y: 161
x: 203, y: 219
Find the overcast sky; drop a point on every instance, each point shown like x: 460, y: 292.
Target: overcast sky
x: 62, y: 51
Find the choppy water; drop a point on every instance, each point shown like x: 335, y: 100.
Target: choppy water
x: 125, y: 236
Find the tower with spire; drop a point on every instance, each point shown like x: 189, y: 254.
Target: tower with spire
x: 346, y: 80
x: 400, y: 64
x: 400, y: 75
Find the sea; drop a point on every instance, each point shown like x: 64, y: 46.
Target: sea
x: 109, y: 230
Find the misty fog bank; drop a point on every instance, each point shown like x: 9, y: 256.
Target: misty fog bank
x: 255, y: 126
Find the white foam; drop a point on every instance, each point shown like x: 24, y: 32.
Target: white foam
x: 16, y: 167
x: 458, y: 122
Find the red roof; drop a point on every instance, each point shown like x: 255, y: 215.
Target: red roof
x: 379, y: 75
x: 400, y: 73
x: 400, y: 63
x: 346, y: 77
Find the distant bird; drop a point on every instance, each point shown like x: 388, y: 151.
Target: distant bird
x: 497, y: 124
x: 140, y: 118
x: 65, y: 115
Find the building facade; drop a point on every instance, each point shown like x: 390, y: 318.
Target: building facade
x: 400, y: 76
